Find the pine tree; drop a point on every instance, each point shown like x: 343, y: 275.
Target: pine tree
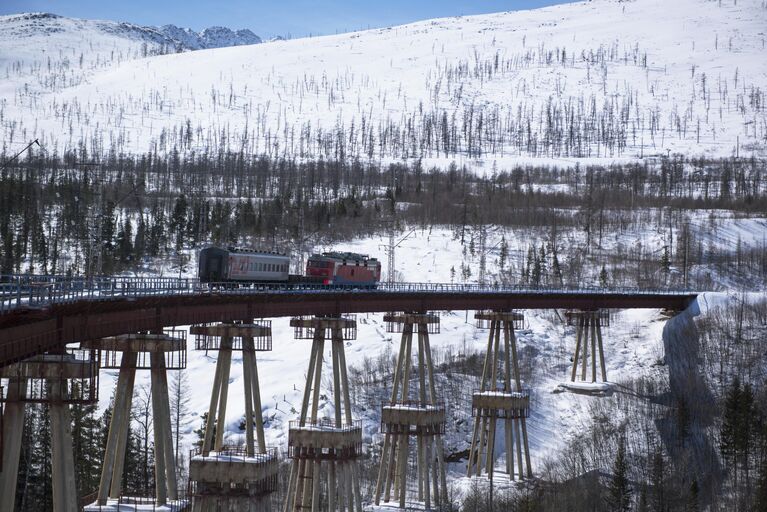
x: 665, y: 261
x: 760, y: 500
x: 201, y: 431
x: 556, y: 269
x: 106, y: 240
x: 139, y: 244
x: 542, y: 264
x: 86, y: 444
x: 135, y: 470
x: 125, y: 242
x: 644, y: 505
x: 535, y: 274
x: 692, y: 498
x: 156, y: 238
x: 745, y: 426
x: 178, y: 222
x: 728, y: 444
x: 142, y: 417
x: 603, y: 282
x: 527, y: 269
x: 658, y: 482
x: 179, y: 407
x: 619, y: 496
x: 504, y: 253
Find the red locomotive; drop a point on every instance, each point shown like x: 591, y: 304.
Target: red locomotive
x: 344, y: 268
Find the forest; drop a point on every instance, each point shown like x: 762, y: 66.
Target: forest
x: 73, y: 214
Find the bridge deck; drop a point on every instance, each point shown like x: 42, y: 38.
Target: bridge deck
x: 43, y: 314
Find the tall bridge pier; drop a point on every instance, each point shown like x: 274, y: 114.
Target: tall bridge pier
x: 227, y: 477
x: 57, y: 380
x: 588, y: 332
x: 157, y: 353
x: 422, y: 417
x: 336, y: 441
x: 500, y: 397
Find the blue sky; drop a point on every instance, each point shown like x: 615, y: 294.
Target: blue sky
x: 268, y: 18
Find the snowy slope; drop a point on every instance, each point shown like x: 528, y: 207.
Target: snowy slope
x: 651, y: 76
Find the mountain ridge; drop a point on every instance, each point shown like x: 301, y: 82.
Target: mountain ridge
x: 175, y: 38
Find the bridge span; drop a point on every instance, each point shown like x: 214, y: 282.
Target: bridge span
x: 41, y: 314
x: 123, y: 319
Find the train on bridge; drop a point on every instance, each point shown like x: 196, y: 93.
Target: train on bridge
x: 236, y: 265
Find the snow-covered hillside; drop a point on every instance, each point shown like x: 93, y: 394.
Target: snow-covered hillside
x: 600, y: 79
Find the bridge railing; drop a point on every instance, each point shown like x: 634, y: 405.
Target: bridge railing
x: 39, y: 290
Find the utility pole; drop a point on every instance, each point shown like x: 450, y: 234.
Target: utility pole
x: 482, y: 254
x: 390, y: 248
x: 390, y: 269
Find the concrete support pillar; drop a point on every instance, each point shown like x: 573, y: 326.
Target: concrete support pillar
x: 500, y: 397
x: 165, y: 464
x: 588, y: 331
x: 226, y: 489
x: 13, y: 429
x: 306, y: 472
x: 122, y: 428
x: 62, y: 458
x: 114, y: 454
x: 156, y: 346
x: 418, y: 414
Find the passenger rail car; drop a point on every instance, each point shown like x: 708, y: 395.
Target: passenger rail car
x: 241, y: 265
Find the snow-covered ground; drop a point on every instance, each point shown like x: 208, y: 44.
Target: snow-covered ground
x: 686, y: 76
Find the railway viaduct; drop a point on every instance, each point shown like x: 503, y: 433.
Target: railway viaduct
x: 40, y: 317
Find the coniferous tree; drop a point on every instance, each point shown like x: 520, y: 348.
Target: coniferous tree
x: 107, y: 236
x: 139, y: 243
x: 665, y: 261
x: 86, y: 446
x: 201, y: 431
x: 178, y: 222
x: 619, y: 495
x: 644, y: 504
x: 658, y: 482
x: 603, y: 282
x: 179, y: 407
x: 745, y: 416
x: 692, y: 504
x: 728, y: 443
x: 760, y: 500
x: 156, y: 238
x: 542, y: 264
x: 124, y: 247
